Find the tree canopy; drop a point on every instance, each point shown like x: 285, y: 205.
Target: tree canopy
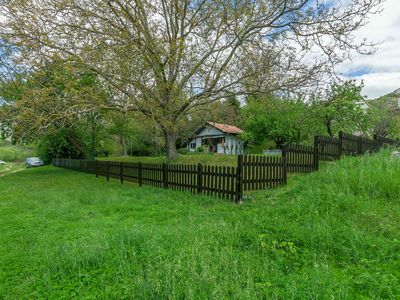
x: 165, y: 58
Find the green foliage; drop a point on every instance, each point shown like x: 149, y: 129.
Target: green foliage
x: 270, y: 118
x: 12, y: 153
x: 387, y: 115
x: 342, y: 108
x: 330, y: 234
x: 58, y: 95
x: 62, y: 144
x: 183, y: 151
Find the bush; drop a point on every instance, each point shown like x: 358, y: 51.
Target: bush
x: 59, y: 145
x: 200, y: 149
x: 183, y: 151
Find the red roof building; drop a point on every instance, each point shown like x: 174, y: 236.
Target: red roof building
x: 218, y: 138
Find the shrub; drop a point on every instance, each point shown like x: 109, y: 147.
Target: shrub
x: 59, y: 144
x: 183, y: 151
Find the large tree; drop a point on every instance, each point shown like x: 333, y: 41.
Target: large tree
x: 282, y: 120
x: 164, y: 58
x: 342, y: 107
x: 59, y: 96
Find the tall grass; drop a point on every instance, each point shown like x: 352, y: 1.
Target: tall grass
x: 15, y: 153
x: 327, y: 235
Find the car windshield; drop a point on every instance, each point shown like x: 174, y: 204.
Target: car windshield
x: 34, y: 159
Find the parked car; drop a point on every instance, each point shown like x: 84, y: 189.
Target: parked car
x: 2, y: 162
x: 33, y: 162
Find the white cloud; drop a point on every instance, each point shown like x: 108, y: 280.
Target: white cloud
x: 380, y: 71
x: 378, y: 84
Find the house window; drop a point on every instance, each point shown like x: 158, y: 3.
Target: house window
x: 193, y: 146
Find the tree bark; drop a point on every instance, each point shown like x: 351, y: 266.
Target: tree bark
x: 124, y: 148
x: 170, y: 145
x: 329, y: 128
x: 328, y: 125
x: 121, y: 142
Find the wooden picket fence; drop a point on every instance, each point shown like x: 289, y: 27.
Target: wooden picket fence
x: 260, y: 172
x: 252, y: 172
x: 217, y: 181
x: 301, y: 158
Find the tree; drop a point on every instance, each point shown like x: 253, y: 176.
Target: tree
x: 342, y: 108
x: 164, y: 58
x: 60, y: 96
x: 283, y: 121
x: 386, y: 114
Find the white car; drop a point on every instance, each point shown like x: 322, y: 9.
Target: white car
x: 33, y: 162
x: 2, y: 162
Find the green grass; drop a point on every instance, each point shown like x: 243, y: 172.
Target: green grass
x: 11, y: 168
x: 14, y: 153
x: 204, y: 158
x: 327, y: 235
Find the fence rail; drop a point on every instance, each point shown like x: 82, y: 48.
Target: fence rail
x: 260, y: 172
x: 301, y: 158
x: 252, y: 172
x: 329, y: 148
x: 217, y: 181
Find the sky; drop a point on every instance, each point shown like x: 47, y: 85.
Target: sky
x: 381, y: 70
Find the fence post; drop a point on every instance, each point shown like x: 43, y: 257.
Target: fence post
x: 108, y: 170
x: 239, y: 179
x: 140, y: 173
x: 284, y: 166
x: 316, y: 153
x: 199, y: 178
x: 164, y: 175
x: 340, y: 144
x: 121, y: 172
x: 360, y: 146
x: 97, y: 169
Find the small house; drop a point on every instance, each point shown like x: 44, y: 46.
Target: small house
x: 217, y: 138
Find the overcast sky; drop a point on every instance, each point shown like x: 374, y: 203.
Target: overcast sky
x: 380, y: 71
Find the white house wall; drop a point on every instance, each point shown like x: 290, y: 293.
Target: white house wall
x: 210, y: 131
x: 233, y: 145
x: 197, y: 141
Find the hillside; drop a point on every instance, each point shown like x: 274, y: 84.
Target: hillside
x: 330, y: 234
x: 389, y: 101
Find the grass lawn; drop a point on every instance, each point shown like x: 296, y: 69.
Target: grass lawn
x: 334, y: 234
x: 204, y: 159
x: 11, y: 167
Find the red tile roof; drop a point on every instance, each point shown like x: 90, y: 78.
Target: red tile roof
x: 226, y: 128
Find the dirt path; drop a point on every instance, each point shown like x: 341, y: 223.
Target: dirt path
x: 10, y: 168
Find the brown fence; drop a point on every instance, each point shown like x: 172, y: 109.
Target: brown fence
x: 329, y: 148
x: 253, y: 172
x: 301, y: 158
x: 217, y: 181
x: 260, y: 172
x: 387, y: 141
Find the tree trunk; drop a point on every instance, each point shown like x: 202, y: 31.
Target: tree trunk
x: 121, y: 142
x: 124, y: 148
x: 279, y: 142
x: 328, y: 125
x: 170, y: 145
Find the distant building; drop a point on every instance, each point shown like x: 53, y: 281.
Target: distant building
x: 217, y: 138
